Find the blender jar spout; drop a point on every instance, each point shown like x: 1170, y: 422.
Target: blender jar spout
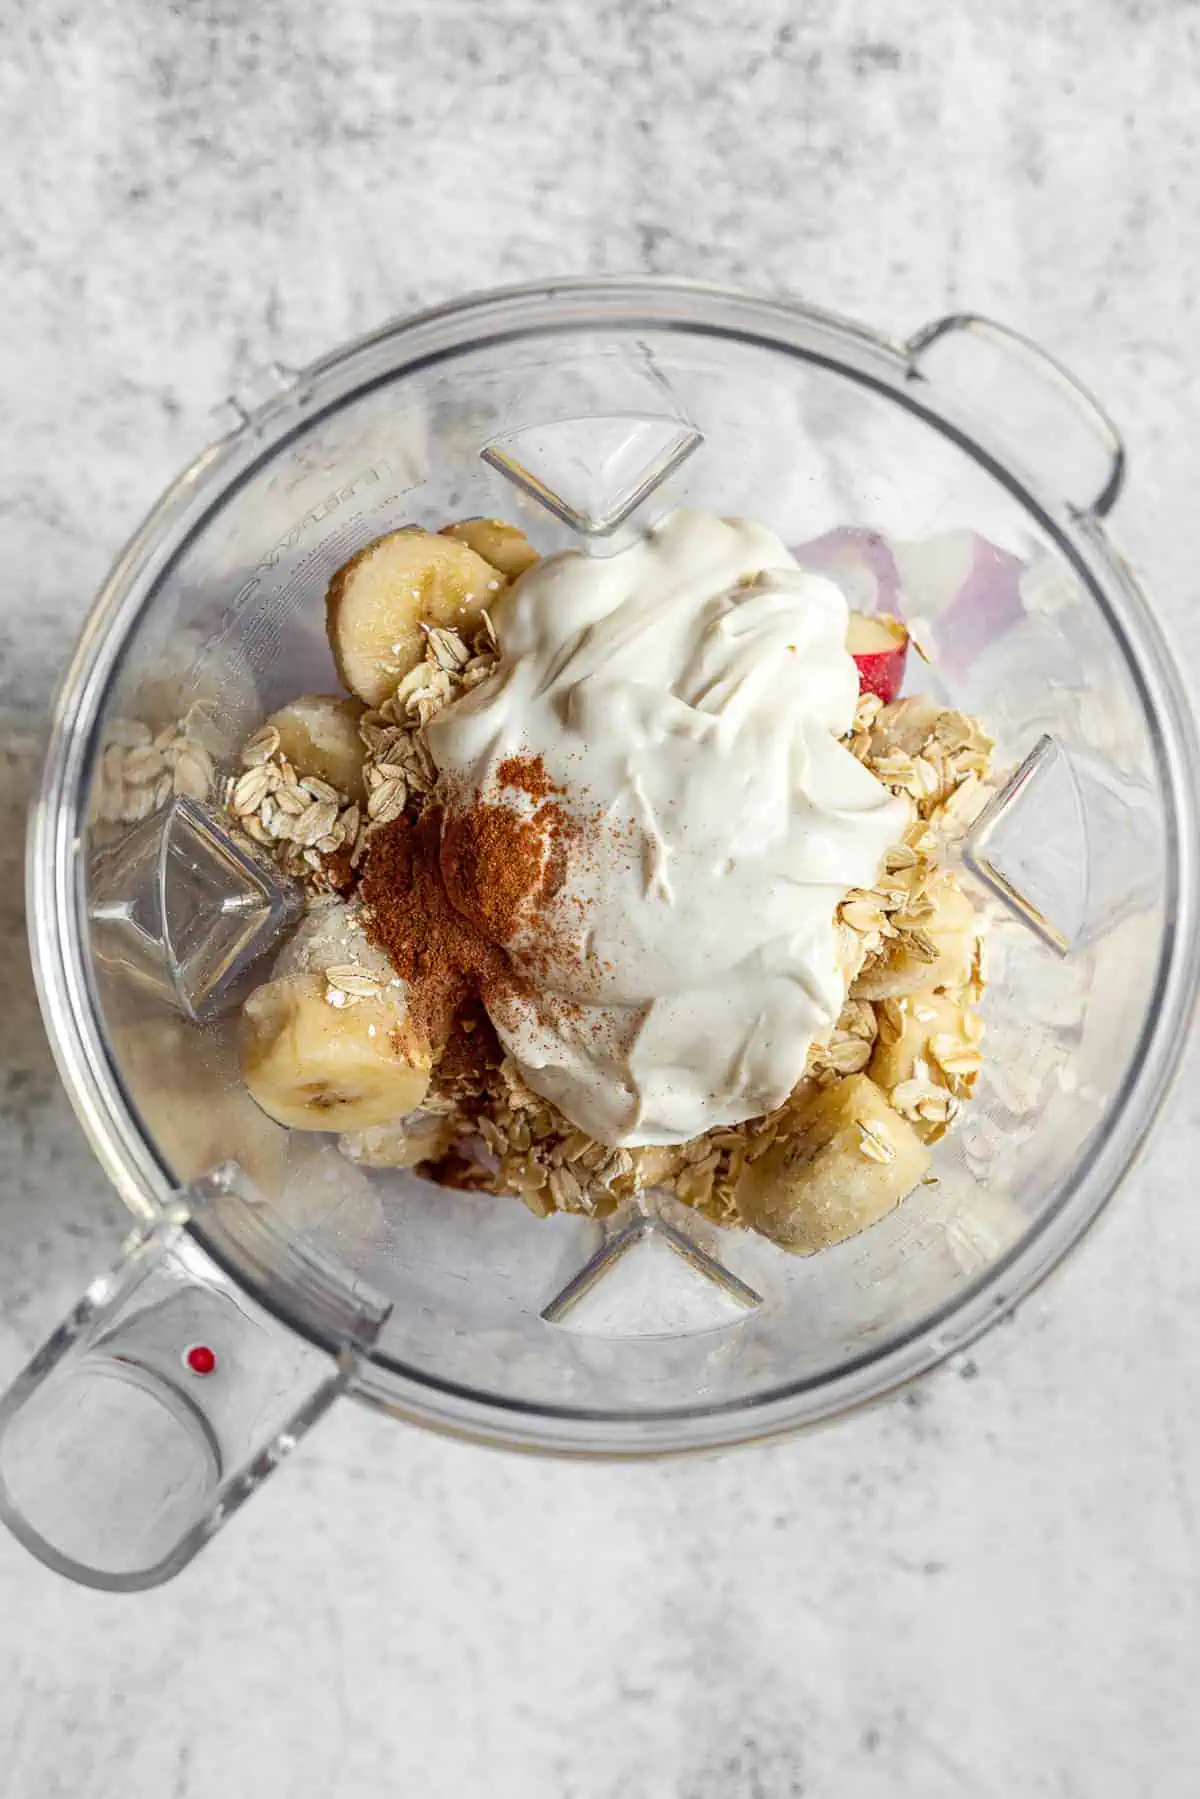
x: 167, y: 1396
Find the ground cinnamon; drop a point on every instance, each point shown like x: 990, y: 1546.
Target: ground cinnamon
x: 442, y: 955
x: 339, y: 870
x: 444, y: 894
x: 493, y: 862
x: 528, y: 775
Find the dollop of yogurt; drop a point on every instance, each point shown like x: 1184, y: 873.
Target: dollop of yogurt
x: 685, y: 697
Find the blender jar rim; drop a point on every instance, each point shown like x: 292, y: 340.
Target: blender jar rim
x: 55, y: 872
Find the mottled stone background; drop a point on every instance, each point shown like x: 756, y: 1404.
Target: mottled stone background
x: 986, y: 1588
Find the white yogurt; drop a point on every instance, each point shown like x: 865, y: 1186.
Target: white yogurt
x: 687, y: 695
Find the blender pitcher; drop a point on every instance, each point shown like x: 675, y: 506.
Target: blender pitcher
x: 959, y: 478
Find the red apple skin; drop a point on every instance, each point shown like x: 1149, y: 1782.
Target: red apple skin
x: 883, y: 672
x: 880, y: 667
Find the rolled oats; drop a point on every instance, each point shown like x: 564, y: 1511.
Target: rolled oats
x: 955, y: 1057
x: 387, y: 800
x: 249, y: 791
x: 291, y: 800
x: 321, y: 790
x: 566, y: 1191
x: 873, y: 1146
x: 447, y: 648
x: 143, y: 765
x: 139, y: 773
x: 263, y: 746
x: 193, y: 775
x: 315, y: 822
x: 354, y: 982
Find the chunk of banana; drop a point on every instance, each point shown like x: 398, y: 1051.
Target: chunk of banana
x: 316, y: 1066
x: 923, y: 1016
x: 318, y: 733
x: 331, y: 935
x: 848, y: 1159
x: 498, y: 542
x: 377, y: 604
x: 952, y: 932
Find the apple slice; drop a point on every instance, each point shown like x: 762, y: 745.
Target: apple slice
x: 879, y: 645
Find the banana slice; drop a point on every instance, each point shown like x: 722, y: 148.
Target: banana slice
x: 331, y: 934
x: 920, y: 1017
x: 498, y: 542
x: 318, y: 733
x: 314, y: 1066
x: 952, y: 933
x: 378, y: 602
x: 848, y: 1160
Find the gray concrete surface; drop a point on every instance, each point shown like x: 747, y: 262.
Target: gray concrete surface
x: 988, y: 1587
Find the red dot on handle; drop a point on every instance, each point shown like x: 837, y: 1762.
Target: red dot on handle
x: 200, y: 1359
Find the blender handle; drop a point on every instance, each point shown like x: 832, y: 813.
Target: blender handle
x: 159, y: 1405
x: 1046, y: 373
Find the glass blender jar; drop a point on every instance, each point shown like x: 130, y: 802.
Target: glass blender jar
x: 960, y: 478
